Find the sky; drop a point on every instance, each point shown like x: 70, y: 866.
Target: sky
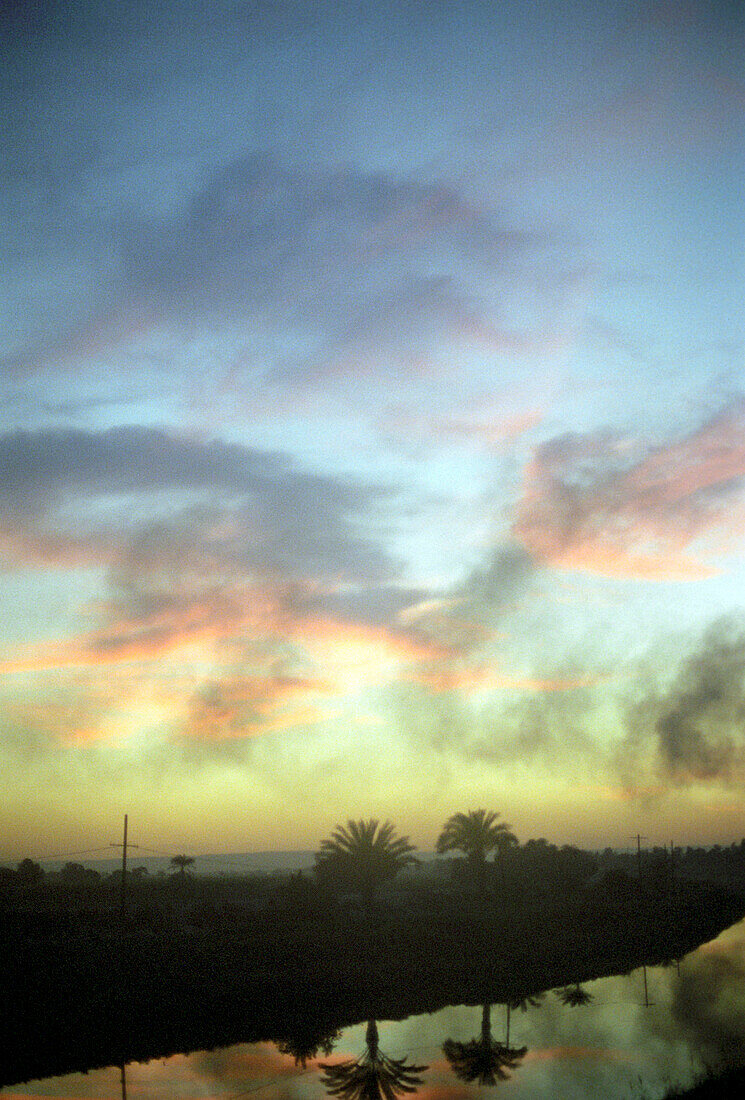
x: 372, y: 421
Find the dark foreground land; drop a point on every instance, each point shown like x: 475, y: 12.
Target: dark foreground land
x: 722, y: 1087
x: 82, y: 990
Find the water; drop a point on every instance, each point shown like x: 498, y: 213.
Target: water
x: 636, y: 1035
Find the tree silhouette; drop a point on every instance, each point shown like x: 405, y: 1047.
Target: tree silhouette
x: 363, y: 855
x: 483, y: 1060
x: 574, y: 995
x: 180, y: 863
x: 305, y: 1042
x: 374, y: 1076
x: 29, y: 872
x: 476, y: 834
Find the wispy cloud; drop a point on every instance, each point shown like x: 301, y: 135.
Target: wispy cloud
x: 619, y: 507
x: 325, y: 272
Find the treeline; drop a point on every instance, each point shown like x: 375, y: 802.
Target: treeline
x: 521, y: 874
x: 724, y: 865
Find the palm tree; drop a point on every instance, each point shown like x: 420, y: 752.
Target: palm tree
x: 363, y: 855
x: 483, y: 1060
x: 574, y: 995
x: 374, y: 1076
x: 182, y: 862
x: 476, y: 834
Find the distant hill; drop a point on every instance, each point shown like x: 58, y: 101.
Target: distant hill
x: 232, y: 863
x: 240, y: 863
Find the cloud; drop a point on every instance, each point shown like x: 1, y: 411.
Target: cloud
x: 363, y: 270
x: 320, y: 271
x: 492, y: 429
x: 249, y: 509
x: 691, y: 731
x: 614, y: 506
x: 470, y: 613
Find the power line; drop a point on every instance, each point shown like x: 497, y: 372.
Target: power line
x: 63, y: 855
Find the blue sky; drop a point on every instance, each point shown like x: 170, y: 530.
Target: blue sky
x: 372, y: 390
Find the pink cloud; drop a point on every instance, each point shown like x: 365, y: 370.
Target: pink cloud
x: 595, y: 503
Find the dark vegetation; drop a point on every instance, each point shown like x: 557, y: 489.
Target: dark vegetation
x: 199, y: 961
x: 722, y: 1086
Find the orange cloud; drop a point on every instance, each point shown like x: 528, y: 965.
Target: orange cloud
x: 159, y: 625
x: 256, y: 662
x: 588, y: 505
x: 246, y: 706
x: 489, y: 679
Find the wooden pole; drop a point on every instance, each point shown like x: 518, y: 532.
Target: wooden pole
x: 124, y: 873
x: 639, y: 838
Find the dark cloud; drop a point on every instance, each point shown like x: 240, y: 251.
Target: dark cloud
x: 256, y: 509
x: 261, y: 227
x: 38, y: 468
x: 692, y: 730
x: 380, y: 605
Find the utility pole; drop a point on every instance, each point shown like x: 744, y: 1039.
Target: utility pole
x: 647, y: 1002
x: 639, y: 838
x: 123, y: 893
x: 124, y: 870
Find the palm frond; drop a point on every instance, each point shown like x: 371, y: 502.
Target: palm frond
x: 366, y: 1078
x: 365, y: 853
x: 574, y: 995
x: 475, y: 833
x: 482, y: 1062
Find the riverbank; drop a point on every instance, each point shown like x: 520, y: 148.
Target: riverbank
x: 82, y: 994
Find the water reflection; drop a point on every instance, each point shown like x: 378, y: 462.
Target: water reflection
x: 574, y: 995
x: 603, y: 1038
x: 483, y: 1061
x: 532, y: 1000
x: 374, y: 1076
x: 305, y: 1042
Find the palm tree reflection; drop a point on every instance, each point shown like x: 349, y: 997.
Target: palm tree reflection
x: 574, y: 995
x: 373, y: 1076
x: 484, y: 1060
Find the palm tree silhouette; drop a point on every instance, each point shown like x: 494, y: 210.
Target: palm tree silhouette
x: 476, y: 834
x: 182, y: 862
x: 483, y: 1060
x: 374, y: 1076
x: 574, y: 995
x: 364, y: 854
